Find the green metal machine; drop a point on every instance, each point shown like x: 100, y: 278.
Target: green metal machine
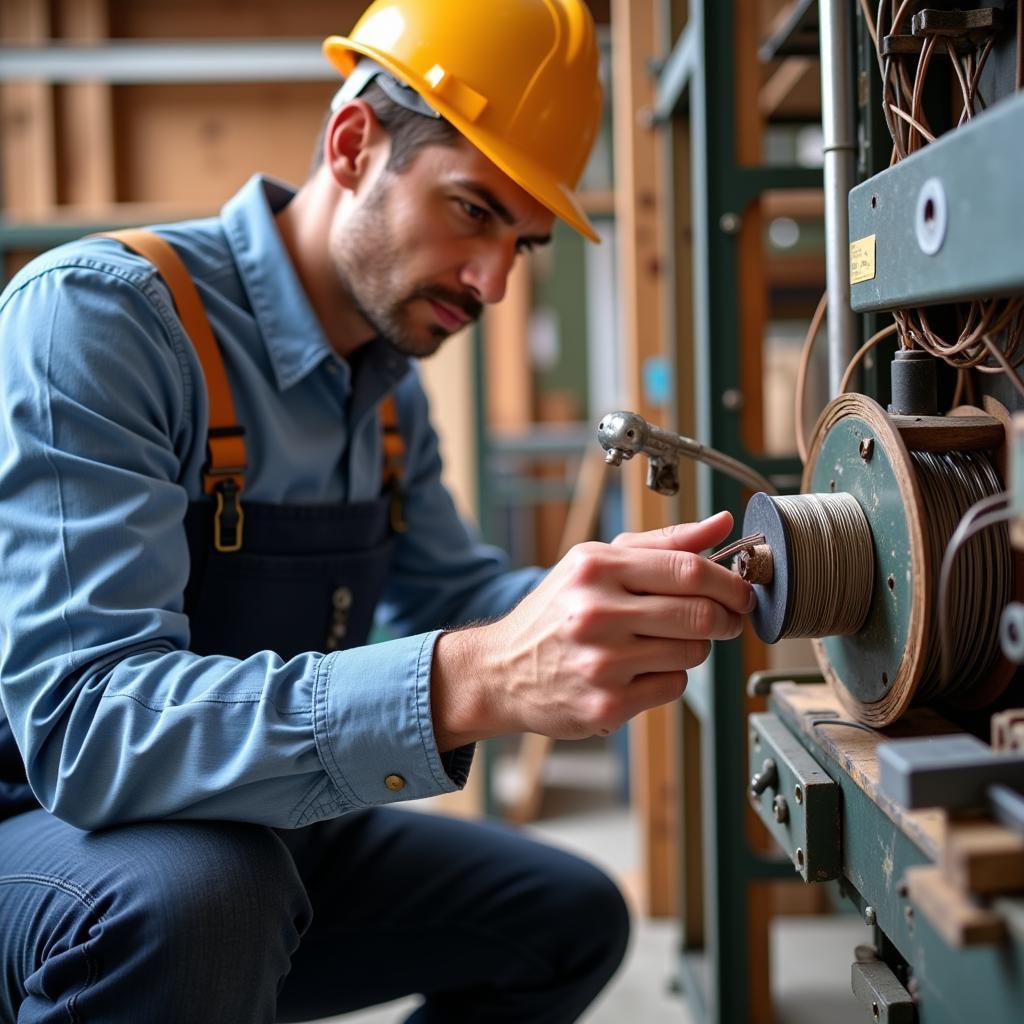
x: 826, y: 767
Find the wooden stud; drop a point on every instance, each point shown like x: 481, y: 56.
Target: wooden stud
x: 26, y: 115
x: 641, y: 156
x: 792, y: 88
x: 85, y: 137
x: 509, y: 381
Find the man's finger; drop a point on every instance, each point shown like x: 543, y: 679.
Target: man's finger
x: 652, y: 691
x: 683, y: 618
x: 681, y: 536
x: 683, y: 574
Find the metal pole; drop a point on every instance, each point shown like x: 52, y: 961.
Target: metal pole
x: 837, y: 120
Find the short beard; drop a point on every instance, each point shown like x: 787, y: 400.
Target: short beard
x: 364, y: 260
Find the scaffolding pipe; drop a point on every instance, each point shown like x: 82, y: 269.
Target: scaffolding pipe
x: 840, y: 149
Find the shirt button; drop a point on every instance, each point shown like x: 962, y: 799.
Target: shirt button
x: 394, y: 782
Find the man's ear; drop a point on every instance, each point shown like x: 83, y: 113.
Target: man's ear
x: 350, y: 142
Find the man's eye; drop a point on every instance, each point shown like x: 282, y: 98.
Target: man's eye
x: 473, y: 211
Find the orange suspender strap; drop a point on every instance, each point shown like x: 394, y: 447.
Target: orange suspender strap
x: 224, y: 472
x: 394, y: 461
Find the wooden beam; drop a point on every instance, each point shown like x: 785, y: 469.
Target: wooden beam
x: 86, y: 119
x: 26, y: 115
x: 641, y: 216
x: 793, y: 89
x: 509, y: 380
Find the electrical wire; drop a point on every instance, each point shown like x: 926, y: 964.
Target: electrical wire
x: 885, y: 332
x: 981, y: 516
x: 801, y: 375
x: 982, y: 321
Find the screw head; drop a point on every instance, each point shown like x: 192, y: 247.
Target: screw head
x: 729, y: 223
x: 869, y: 916
x: 867, y: 448
x: 732, y: 399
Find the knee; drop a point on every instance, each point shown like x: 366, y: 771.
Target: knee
x: 200, y: 892
x: 600, y: 919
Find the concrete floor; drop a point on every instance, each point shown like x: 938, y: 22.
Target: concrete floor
x: 811, y: 957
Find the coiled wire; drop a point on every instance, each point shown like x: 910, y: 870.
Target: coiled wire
x: 980, y: 580
x: 833, y: 568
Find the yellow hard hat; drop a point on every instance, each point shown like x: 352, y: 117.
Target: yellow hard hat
x: 518, y: 78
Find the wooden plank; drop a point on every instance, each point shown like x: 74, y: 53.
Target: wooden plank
x: 200, y: 19
x: 808, y: 708
x: 959, y: 920
x: 29, y: 169
x: 197, y: 144
x: 949, y: 433
x: 509, y: 381
x: 982, y: 857
x: 85, y: 116
x: 792, y: 90
x: 691, y: 838
x: 640, y: 159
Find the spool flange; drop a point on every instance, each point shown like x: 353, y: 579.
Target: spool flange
x: 856, y: 449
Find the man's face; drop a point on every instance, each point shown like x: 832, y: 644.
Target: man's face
x: 428, y: 248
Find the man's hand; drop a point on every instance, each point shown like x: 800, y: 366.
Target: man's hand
x: 608, y: 633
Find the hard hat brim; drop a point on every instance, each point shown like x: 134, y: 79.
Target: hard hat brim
x: 556, y: 196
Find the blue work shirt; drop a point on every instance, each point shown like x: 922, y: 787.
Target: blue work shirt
x: 102, y: 443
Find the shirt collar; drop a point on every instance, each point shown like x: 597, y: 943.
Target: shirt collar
x: 293, y: 336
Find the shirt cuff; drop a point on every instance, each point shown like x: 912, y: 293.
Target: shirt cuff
x: 373, y: 728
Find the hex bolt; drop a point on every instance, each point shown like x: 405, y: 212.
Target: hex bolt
x: 780, y: 809
x: 766, y: 778
x: 869, y: 916
x: 867, y: 448
x: 798, y: 794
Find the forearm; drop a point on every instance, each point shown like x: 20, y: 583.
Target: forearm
x: 608, y: 633
x: 164, y: 734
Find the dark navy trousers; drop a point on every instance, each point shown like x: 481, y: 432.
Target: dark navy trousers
x: 183, y: 922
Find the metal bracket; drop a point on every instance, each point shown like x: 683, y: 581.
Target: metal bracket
x: 795, y: 798
x: 880, y: 991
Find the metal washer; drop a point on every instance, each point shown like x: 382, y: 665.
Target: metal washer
x: 773, y: 601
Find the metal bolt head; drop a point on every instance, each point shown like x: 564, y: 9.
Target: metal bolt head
x: 780, y: 810
x: 766, y: 778
x: 730, y: 223
x: 867, y: 448
x: 732, y: 399
x: 869, y: 916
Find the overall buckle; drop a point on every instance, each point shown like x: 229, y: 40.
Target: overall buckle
x: 229, y: 519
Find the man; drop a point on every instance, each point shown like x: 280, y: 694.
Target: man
x: 184, y: 673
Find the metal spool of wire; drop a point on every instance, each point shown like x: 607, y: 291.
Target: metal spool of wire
x: 856, y: 560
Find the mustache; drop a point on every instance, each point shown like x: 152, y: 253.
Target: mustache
x: 473, y: 308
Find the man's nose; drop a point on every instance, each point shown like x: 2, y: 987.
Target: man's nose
x: 486, y: 272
